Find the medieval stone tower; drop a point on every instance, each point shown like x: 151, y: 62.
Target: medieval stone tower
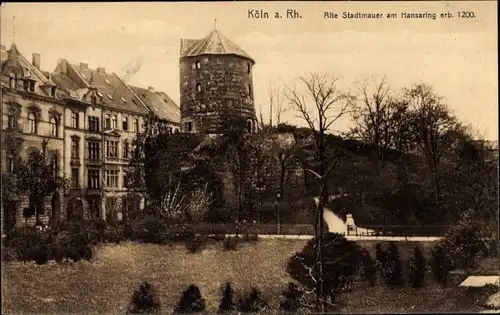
x: 215, y: 81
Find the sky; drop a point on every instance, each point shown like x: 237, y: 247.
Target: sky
x: 457, y: 57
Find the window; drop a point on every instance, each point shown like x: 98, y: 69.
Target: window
x: 55, y: 165
x: 249, y: 68
x: 53, y: 126
x: 193, y: 66
x: 29, y: 86
x: 107, y: 122
x: 93, y: 99
x: 198, y: 65
x: 93, y: 150
x: 112, y: 207
x: 249, y: 125
x: 136, y: 125
x: 249, y: 90
x: 169, y: 130
x: 126, y: 149
x: 12, y: 121
x: 10, y: 163
x: 32, y: 123
x: 114, y: 122
x: 75, y: 148
x: 176, y: 130
x: 13, y: 81
x: 93, y: 179
x: 74, y: 120
x: 75, y: 177
x: 95, y: 208
x: 125, y: 179
x: 93, y: 124
x: 125, y: 123
x: 111, y: 149
x: 198, y: 87
x: 53, y: 91
x: 111, y: 178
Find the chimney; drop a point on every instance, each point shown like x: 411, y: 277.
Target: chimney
x: 36, y: 60
x: 152, y: 89
x: 101, y: 71
x: 62, y: 66
x: 83, y: 66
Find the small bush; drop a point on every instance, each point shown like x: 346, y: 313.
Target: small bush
x: 144, y: 300
x: 227, y: 304
x: 380, y: 259
x: 41, y: 253
x: 196, y: 243
x: 441, y: 263
x: 230, y: 243
x: 368, y: 269
x: 292, y: 298
x: 114, y: 233
x: 191, y: 301
x: 394, y: 268
x: 416, y: 266
x: 254, y: 302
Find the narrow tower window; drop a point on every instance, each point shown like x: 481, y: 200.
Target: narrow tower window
x: 198, y: 65
x: 250, y: 90
x: 249, y: 125
x: 198, y: 87
x: 249, y: 68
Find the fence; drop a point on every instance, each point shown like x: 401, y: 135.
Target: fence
x: 260, y: 229
x: 399, y: 230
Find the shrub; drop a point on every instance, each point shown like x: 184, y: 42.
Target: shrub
x: 292, y: 295
x: 191, y: 301
x: 441, y: 263
x: 394, y: 268
x: 114, y: 233
x: 254, y: 302
x: 25, y: 241
x: 144, y: 300
x: 227, y: 304
x: 230, y: 243
x: 380, y: 259
x: 465, y: 245
x: 196, y: 243
x: 416, y: 266
x: 341, y: 264
x: 41, y: 253
x: 368, y: 269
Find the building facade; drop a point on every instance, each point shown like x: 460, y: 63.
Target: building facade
x: 215, y: 81
x: 90, y: 119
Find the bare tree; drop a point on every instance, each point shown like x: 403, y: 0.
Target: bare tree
x: 320, y: 104
x: 276, y: 101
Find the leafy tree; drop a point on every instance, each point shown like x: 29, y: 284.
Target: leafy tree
x: 292, y: 295
x: 254, y: 302
x: 38, y: 179
x: 394, y: 268
x: 191, y: 301
x: 416, y: 265
x: 227, y: 304
x: 144, y: 300
x: 341, y: 265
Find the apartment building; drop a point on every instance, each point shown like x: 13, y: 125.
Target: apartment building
x: 91, y: 118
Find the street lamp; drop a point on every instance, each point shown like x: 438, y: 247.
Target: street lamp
x: 278, y: 197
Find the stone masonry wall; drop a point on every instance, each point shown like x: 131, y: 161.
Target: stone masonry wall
x: 226, y: 86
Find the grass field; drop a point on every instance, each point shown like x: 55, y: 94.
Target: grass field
x: 104, y: 285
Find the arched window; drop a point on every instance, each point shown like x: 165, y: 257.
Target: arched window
x: 249, y: 125
x: 198, y: 65
x: 53, y: 126
x: 32, y: 123
x: 198, y: 87
x: 13, y: 81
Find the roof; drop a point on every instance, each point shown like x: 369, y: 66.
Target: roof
x: 214, y: 43
x: 479, y: 281
x: 159, y: 103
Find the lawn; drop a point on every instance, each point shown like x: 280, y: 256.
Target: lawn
x: 104, y: 285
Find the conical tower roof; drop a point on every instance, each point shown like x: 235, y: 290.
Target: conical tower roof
x: 214, y: 43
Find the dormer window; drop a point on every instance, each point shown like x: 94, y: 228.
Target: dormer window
x: 198, y: 65
x: 29, y: 86
x: 198, y: 87
x: 93, y: 99
x: 53, y: 91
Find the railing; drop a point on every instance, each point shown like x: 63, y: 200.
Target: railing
x: 399, y: 230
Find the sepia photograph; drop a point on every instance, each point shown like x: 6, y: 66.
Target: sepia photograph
x: 260, y: 157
